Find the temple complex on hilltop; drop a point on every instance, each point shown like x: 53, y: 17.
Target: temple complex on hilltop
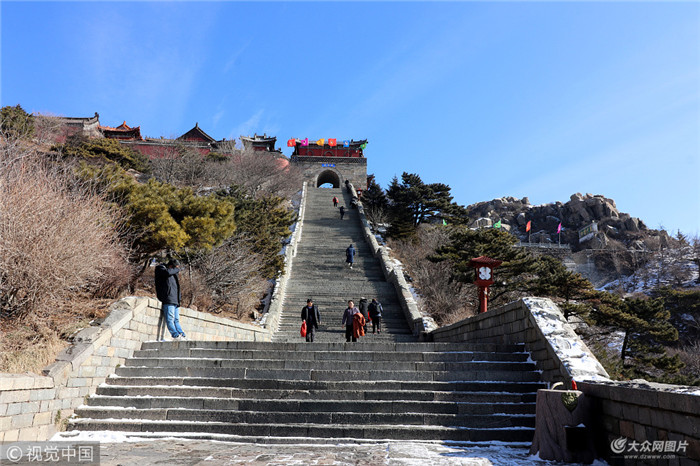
x: 325, y: 161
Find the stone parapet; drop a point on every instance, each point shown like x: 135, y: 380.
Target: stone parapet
x: 641, y: 417
x: 34, y: 407
x: 392, y: 272
x: 537, y: 323
x: 274, y: 313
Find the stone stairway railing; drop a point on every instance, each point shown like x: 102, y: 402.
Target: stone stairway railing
x: 393, y: 273
x: 274, y: 311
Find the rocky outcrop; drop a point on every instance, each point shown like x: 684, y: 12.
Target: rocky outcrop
x: 615, y: 229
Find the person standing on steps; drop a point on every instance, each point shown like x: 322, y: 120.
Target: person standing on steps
x: 375, y: 313
x: 350, y: 256
x: 310, y: 314
x: 348, y: 320
x: 342, y: 212
x: 168, y: 293
x: 335, y: 201
x: 363, y: 310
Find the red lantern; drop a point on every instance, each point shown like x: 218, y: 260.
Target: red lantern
x: 483, y: 266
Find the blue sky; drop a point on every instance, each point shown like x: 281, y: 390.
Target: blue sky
x: 537, y: 99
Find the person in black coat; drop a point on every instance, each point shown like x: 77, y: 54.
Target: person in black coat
x: 310, y: 314
x: 375, y: 313
x: 342, y: 212
x: 168, y: 293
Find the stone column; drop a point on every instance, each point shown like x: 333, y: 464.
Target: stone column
x: 562, y: 431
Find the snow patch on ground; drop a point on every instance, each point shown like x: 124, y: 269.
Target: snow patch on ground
x: 397, y: 452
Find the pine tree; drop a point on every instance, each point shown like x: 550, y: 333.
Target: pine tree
x: 98, y: 151
x: 15, y: 123
x: 555, y: 280
x: 413, y: 202
x: 645, y: 326
x: 514, y: 274
x: 266, y: 222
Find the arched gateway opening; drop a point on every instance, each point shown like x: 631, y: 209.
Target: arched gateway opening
x: 328, y: 177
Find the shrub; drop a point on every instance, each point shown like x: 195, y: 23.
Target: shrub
x: 55, y: 238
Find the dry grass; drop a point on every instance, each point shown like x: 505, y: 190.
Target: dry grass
x: 690, y: 355
x: 59, y: 247
x: 56, y: 238
x: 33, y: 342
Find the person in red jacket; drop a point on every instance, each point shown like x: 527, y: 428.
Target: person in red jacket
x: 335, y: 201
x: 348, y: 317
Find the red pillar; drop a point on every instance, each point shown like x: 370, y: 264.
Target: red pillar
x: 483, y: 298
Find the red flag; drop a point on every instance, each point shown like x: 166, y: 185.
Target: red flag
x: 332, y: 142
x: 559, y: 229
x: 292, y: 142
x: 527, y: 227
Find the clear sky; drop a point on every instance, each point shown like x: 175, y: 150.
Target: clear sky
x: 537, y: 99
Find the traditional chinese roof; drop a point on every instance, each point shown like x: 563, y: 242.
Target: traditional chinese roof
x: 196, y: 134
x: 259, y: 142
x: 483, y: 260
x: 122, y: 131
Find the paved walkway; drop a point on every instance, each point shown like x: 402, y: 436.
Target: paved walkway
x: 174, y: 452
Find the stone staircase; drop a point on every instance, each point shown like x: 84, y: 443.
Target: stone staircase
x: 385, y: 386
x: 319, y: 272
x: 264, y: 392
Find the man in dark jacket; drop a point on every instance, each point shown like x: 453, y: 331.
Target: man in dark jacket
x: 350, y: 255
x: 348, y: 318
x: 310, y: 314
x: 168, y: 292
x: 375, y: 313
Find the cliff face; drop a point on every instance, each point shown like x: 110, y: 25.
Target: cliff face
x: 616, y: 230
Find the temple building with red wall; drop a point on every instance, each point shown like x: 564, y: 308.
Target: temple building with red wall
x: 322, y: 163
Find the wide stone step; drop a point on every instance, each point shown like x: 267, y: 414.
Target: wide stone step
x: 311, y: 406
x: 256, y: 432
x: 333, y: 355
x: 321, y: 365
x: 378, y: 347
x: 328, y: 375
x: 353, y: 385
x: 278, y: 394
x: 311, y: 417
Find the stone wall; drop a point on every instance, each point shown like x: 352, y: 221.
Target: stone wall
x: 645, y: 412
x: 393, y: 273
x: 274, y: 312
x: 538, y: 323
x: 34, y: 407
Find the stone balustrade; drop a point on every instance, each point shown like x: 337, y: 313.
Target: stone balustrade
x: 393, y: 273
x: 274, y: 311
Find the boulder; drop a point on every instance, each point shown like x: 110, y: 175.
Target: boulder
x: 521, y: 219
x: 483, y: 222
x: 632, y: 224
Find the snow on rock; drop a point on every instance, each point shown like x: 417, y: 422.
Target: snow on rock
x: 572, y: 352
